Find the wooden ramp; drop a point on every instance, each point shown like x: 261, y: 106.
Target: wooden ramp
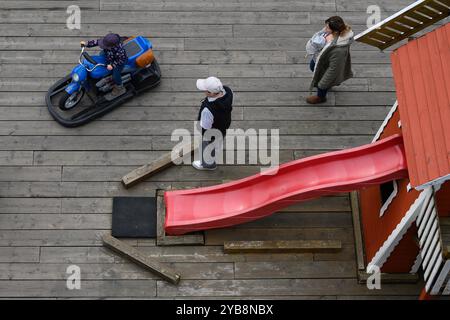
x: 405, y: 23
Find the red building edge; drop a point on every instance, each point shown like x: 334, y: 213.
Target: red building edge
x: 378, y: 224
x: 401, y: 219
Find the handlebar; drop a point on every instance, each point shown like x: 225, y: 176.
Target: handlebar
x: 88, y: 58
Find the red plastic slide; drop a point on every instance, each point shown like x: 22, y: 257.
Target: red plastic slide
x: 260, y: 195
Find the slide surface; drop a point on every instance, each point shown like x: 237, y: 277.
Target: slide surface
x: 260, y: 195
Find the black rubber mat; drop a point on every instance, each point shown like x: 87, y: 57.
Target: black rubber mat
x: 134, y: 217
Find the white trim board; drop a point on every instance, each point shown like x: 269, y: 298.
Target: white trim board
x: 437, y: 183
x: 376, y: 138
x: 385, y: 122
x: 417, y: 264
x: 390, y: 199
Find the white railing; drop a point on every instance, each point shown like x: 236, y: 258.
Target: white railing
x: 435, y: 267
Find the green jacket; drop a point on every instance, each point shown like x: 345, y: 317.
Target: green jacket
x: 333, y: 65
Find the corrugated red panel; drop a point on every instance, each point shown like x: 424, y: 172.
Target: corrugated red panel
x: 422, y: 78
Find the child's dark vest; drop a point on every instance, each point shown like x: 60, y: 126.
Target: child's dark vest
x: 221, y: 111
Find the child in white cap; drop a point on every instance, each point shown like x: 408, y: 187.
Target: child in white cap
x: 215, y: 113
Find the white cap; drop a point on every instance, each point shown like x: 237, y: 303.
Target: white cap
x: 211, y: 84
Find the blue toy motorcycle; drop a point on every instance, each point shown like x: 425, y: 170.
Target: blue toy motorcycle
x: 80, y: 96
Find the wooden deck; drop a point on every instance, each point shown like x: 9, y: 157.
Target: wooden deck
x: 56, y: 184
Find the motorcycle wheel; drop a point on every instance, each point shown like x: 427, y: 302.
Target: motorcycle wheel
x: 69, y: 101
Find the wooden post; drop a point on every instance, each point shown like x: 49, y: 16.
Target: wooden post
x: 141, y: 259
x: 156, y: 166
x: 359, y: 244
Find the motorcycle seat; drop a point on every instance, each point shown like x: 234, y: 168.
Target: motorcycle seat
x: 133, y: 49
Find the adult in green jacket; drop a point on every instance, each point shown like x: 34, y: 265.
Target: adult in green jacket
x: 333, y: 64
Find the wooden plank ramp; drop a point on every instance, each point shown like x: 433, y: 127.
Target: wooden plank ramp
x: 140, y: 258
x: 280, y: 246
x: 158, y: 165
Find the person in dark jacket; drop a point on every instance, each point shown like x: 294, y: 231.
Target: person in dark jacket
x: 215, y: 113
x: 333, y: 65
x: 116, y: 58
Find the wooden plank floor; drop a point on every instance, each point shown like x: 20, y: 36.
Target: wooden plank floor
x: 56, y: 184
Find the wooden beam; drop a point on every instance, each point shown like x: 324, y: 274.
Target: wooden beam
x: 156, y: 166
x: 367, y: 40
x: 164, y: 240
x: 390, y: 277
x: 282, y: 246
x: 141, y: 259
x: 359, y: 243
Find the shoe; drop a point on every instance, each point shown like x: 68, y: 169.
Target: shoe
x: 315, y: 100
x: 197, y: 164
x: 117, y: 91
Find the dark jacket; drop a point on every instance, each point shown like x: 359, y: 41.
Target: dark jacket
x: 116, y: 56
x: 334, y: 64
x: 221, y: 111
